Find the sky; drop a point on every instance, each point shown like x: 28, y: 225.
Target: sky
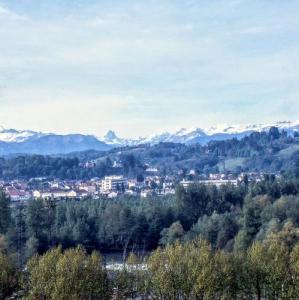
x: 147, y: 66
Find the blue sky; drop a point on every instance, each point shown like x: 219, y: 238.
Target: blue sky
x: 139, y: 67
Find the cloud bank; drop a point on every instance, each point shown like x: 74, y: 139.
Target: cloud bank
x: 144, y: 66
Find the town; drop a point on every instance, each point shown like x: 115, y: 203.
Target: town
x: 114, y: 186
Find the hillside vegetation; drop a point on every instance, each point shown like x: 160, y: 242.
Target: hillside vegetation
x: 270, y: 152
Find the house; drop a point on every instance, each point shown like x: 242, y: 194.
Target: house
x: 17, y: 195
x: 58, y: 193
x: 37, y: 194
x: 117, y: 165
x: 55, y: 194
x: 112, y: 195
x: 151, y: 170
x: 192, y: 172
x: 46, y: 195
x: 81, y: 194
x: 130, y: 193
x: 168, y: 192
x: 88, y: 187
x: 90, y: 164
x: 72, y: 194
x: 186, y: 183
x: 220, y: 182
x: 146, y: 193
x: 167, y: 185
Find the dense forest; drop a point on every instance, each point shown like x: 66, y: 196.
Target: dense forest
x: 190, y: 271
x: 228, y: 217
x: 247, y: 236
x: 270, y: 152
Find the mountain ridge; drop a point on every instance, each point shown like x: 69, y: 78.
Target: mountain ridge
x: 14, y: 141
x: 202, y: 136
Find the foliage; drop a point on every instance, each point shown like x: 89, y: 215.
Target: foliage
x: 8, y: 276
x: 5, y: 213
x: 69, y: 275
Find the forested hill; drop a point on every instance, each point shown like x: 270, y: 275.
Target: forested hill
x: 270, y: 152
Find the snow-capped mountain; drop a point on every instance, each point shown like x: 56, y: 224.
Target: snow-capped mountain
x: 26, y: 141
x: 235, y: 129
x: 30, y: 142
x: 111, y: 139
x: 18, y: 136
x: 182, y: 136
x: 199, y: 135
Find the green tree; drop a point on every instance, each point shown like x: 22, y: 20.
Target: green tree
x: 36, y: 223
x: 69, y: 275
x: 172, y: 234
x: 257, y: 268
x: 8, y: 277
x: 5, y: 213
x: 32, y: 246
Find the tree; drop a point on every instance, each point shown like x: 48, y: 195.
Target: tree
x: 5, y: 213
x: 257, y: 269
x: 36, y: 224
x: 69, y: 275
x: 228, y: 277
x: 180, y: 271
x: 274, y: 133
x: 269, y: 270
x: 8, y: 277
x: 130, y: 280
x: 278, y: 268
x: 294, y: 264
x: 32, y: 246
x: 172, y: 234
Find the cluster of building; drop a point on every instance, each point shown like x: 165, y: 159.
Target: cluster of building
x: 113, y: 186
x: 109, y: 186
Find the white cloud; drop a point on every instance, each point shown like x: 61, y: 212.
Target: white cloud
x: 6, y: 14
x: 61, y: 111
x: 126, y: 57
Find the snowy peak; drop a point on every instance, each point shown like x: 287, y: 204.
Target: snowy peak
x: 111, y: 138
x: 199, y: 135
x: 237, y: 129
x: 110, y: 135
x: 18, y: 136
x: 27, y: 141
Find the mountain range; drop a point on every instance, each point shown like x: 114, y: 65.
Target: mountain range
x: 27, y: 141
x: 198, y: 135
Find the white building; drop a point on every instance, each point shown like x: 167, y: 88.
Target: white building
x: 192, y: 172
x: 17, y: 195
x: 112, y: 195
x: 54, y: 194
x: 151, y: 170
x: 146, y: 193
x: 114, y: 183
x: 217, y: 183
x: 168, y: 185
x: 90, y: 188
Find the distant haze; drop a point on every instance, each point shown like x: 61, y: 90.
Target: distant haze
x: 142, y: 67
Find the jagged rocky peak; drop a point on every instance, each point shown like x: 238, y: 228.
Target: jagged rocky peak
x: 110, y: 135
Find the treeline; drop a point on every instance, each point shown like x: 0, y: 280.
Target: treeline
x: 253, y: 227
x: 229, y: 218
x: 33, y: 166
x: 191, y: 271
x: 37, y: 166
x: 272, y: 151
